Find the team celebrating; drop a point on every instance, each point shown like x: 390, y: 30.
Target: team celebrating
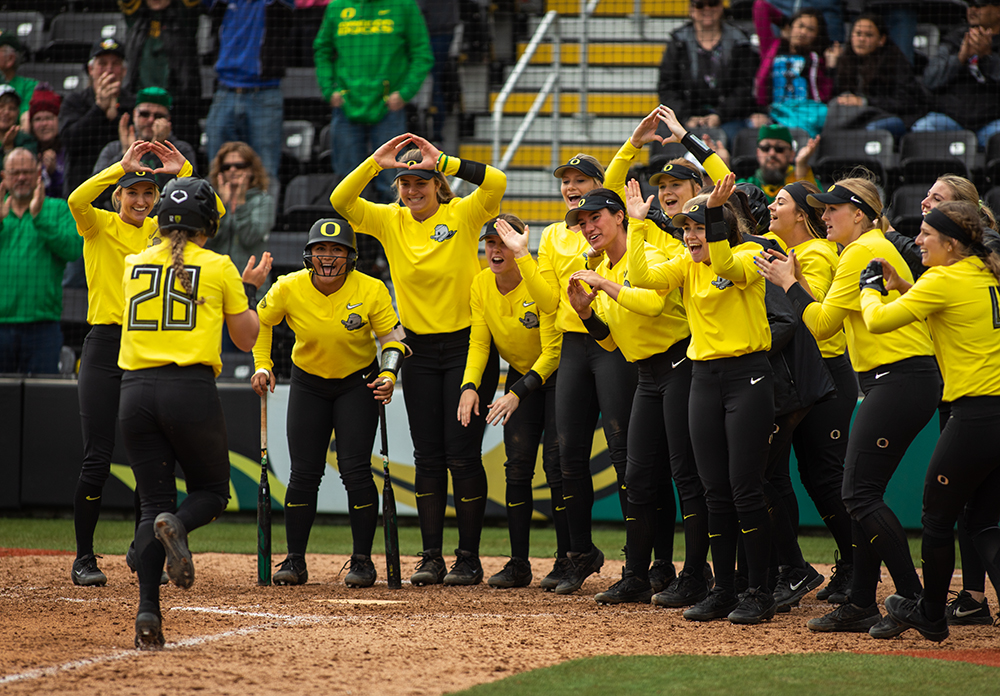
x: 710, y: 336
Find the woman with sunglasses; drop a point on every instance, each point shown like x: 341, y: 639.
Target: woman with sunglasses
x: 431, y: 239
x: 902, y: 387
x: 958, y: 297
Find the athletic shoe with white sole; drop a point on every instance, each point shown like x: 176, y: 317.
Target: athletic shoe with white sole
x: 172, y: 534
x: 466, y: 570
x: 628, y: 590
x: 583, y: 565
x: 909, y: 613
x: 755, y: 606
x: 794, y: 584
x: 362, y: 572
x: 559, y: 569
x: 686, y: 589
x: 86, y: 573
x: 291, y: 571
x: 847, y: 618
x: 148, y: 631
x: 661, y: 574
x: 965, y: 611
x: 516, y: 573
x: 719, y: 604
x: 430, y: 568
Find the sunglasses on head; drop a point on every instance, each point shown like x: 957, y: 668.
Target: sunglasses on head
x: 780, y: 149
x: 151, y: 114
x: 233, y: 165
x: 702, y: 4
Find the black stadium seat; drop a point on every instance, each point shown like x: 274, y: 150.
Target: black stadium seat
x: 72, y: 35
x: 62, y: 77
x: 993, y: 160
x: 307, y: 199
x: 923, y: 157
x: 28, y: 26
x: 840, y: 151
x: 904, y: 211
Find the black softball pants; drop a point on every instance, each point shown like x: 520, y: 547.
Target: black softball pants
x: 172, y: 416
x: 963, y: 479
x: 432, y: 383
x: 900, y: 399
x: 533, y: 423
x: 315, y: 407
x: 591, y: 380
x: 731, y: 417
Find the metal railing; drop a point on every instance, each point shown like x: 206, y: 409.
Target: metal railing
x: 586, y: 10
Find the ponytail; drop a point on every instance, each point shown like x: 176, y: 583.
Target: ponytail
x: 178, y: 239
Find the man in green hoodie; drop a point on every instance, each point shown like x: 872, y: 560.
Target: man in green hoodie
x: 371, y: 58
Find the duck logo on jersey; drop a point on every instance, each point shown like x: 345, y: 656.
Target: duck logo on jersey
x: 722, y: 283
x: 353, y: 322
x: 626, y: 284
x: 530, y: 320
x: 442, y: 233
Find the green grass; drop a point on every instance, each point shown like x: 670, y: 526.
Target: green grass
x: 775, y: 675
x: 114, y: 536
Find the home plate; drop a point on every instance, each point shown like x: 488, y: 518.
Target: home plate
x: 359, y: 601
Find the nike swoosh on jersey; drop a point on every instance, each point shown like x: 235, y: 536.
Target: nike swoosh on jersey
x: 472, y: 500
x: 96, y: 497
x: 515, y: 504
x: 674, y: 365
x: 354, y: 306
x: 755, y: 380
x: 880, y: 375
x: 527, y: 304
x: 362, y: 507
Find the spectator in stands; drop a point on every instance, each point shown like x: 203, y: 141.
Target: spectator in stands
x: 706, y: 75
x: 964, y: 76
x: 43, y: 115
x: 253, y: 53
x: 368, y: 76
x: 242, y: 182
x: 161, y: 49
x: 305, y: 25
x: 10, y: 130
x: 11, y: 52
x: 792, y: 78
x: 875, y: 85
x: 777, y: 162
x: 441, y: 17
x: 151, y: 121
x: 37, y: 239
x: 89, y: 116
x: 777, y: 13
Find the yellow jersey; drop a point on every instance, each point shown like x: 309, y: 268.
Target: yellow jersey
x: 724, y: 301
x: 333, y: 333
x: 842, y: 307
x: 162, y: 324
x: 561, y: 253
x: 525, y: 336
x: 818, y: 258
x: 432, y: 262
x: 961, y: 304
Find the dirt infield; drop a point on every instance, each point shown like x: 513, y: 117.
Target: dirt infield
x: 228, y: 636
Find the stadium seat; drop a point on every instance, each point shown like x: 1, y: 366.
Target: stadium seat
x: 307, y: 198
x: 923, y: 157
x: 992, y: 199
x: 62, y: 77
x: 296, y: 149
x: 904, y: 211
x: 29, y: 27
x: 743, y: 153
x: 73, y: 33
x: 993, y: 160
x: 840, y: 151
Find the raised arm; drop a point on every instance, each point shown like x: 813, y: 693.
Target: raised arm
x: 667, y: 275
x: 346, y: 197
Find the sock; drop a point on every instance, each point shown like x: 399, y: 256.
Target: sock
x: 938, y: 557
x: 886, y: 534
x: 622, y: 491
x: 300, y: 512
x: 520, y: 505
x: 199, y: 508
x: 755, y: 531
x: 363, y: 511
x: 470, y: 506
x: 639, y: 538
x: 559, y: 521
x: 150, y: 558
x: 723, y: 528
x: 432, y: 501
x: 86, y: 511
x: 695, y: 518
x: 988, y: 545
x: 867, y: 568
x: 838, y: 521
x: 136, y: 507
x: 973, y: 571
x: 664, y: 520
x: 784, y: 528
x: 578, y: 495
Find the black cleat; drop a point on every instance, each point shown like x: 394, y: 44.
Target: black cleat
x: 362, y: 572
x: 583, y: 565
x: 466, y: 570
x: 517, y: 573
x: 886, y: 628
x: 430, y: 568
x: 686, y: 589
x: 551, y: 581
x: 291, y: 571
x: 755, y: 606
x: 847, y: 618
x: 133, y: 564
x: 661, y: 574
x: 794, y: 584
x: 719, y: 604
x: 148, y: 631
x: 628, y: 590
x: 838, y: 590
x: 908, y: 613
x: 965, y: 611
x: 86, y: 573
x: 171, y: 533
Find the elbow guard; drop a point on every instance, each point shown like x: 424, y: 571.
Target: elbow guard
x: 716, y: 229
x: 527, y: 384
x: 392, y: 360
x: 597, y: 329
x: 473, y: 172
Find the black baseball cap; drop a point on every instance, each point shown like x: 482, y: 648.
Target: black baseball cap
x: 583, y: 166
x: 131, y: 178
x: 598, y: 199
x: 108, y: 45
x: 419, y: 173
x: 839, y: 194
x: 677, y: 171
x: 696, y: 214
x: 490, y: 229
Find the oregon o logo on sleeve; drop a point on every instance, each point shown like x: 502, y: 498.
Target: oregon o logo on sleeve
x: 324, y: 229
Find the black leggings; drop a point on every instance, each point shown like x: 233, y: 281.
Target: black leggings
x: 659, y: 426
x: 731, y: 416
x: 963, y: 479
x: 900, y: 399
x: 432, y: 382
x: 172, y: 415
x: 591, y: 380
x: 315, y: 406
x: 532, y: 423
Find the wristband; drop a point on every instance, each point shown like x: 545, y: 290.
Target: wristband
x: 473, y: 172
x: 597, y: 329
x: 386, y: 374
x: 251, y: 290
x: 799, y: 298
x: 527, y: 384
x: 716, y: 229
x: 264, y: 370
x: 437, y: 165
x: 469, y: 385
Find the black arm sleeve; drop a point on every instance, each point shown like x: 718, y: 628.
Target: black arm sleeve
x: 716, y: 229
x: 597, y: 329
x: 799, y: 297
x: 473, y: 172
x: 527, y: 384
x: 696, y: 147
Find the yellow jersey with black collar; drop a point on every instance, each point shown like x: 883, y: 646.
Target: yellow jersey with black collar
x: 842, y: 305
x: 818, y: 258
x: 724, y: 300
x: 961, y: 304
x: 107, y: 240
x: 561, y: 253
x: 162, y: 324
x: 333, y: 333
x: 643, y: 322
x: 524, y: 336
x: 432, y: 262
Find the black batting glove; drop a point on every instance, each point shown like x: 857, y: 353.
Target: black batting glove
x: 871, y: 277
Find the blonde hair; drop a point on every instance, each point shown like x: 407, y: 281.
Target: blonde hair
x: 178, y: 239
x: 964, y: 190
x: 258, y: 175
x: 967, y: 216
x: 116, y: 196
x: 444, y: 192
x: 862, y: 184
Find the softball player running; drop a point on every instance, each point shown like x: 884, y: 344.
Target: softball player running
x: 731, y: 408
x: 176, y: 296
x: 504, y: 312
x: 334, y: 313
x: 902, y: 388
x: 959, y: 298
x: 107, y: 238
x: 431, y: 240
